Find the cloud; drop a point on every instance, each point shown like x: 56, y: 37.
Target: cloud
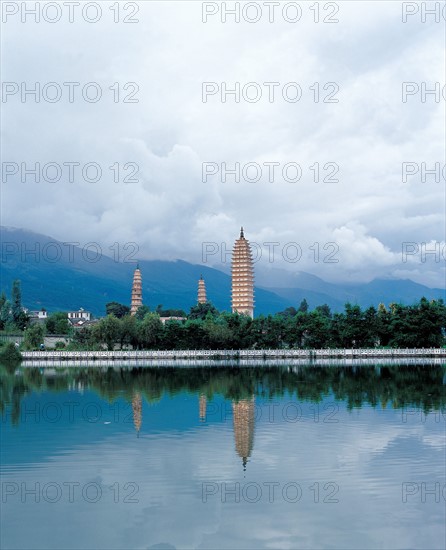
x: 170, y: 133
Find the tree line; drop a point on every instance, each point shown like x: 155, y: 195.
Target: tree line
x: 420, y: 325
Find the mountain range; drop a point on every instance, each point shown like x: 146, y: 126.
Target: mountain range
x: 61, y: 277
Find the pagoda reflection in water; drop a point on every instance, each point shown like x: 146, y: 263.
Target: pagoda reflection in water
x: 137, y: 412
x: 244, y: 417
x: 243, y: 414
x: 202, y: 407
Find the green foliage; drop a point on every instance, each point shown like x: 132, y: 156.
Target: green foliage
x: 107, y: 331
x: 16, y: 300
x: 288, y: 312
x: 170, y: 312
x: 420, y: 325
x: 324, y: 310
x: 57, y: 323
x: 82, y: 339
x: 150, y: 331
x: 10, y: 355
x: 117, y: 309
x: 12, y: 316
x: 21, y: 321
x: 201, y: 311
x: 128, y: 331
x: 5, y: 313
x: 142, y: 312
x: 34, y: 336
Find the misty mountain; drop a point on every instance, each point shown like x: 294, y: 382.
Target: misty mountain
x: 59, y: 276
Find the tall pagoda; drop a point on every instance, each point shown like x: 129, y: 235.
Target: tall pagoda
x: 202, y: 299
x: 136, y: 291
x: 242, y: 272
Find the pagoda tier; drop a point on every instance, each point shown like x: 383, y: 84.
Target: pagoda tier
x: 202, y: 299
x: 242, y: 272
x: 136, y: 292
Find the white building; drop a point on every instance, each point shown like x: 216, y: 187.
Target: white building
x: 41, y: 315
x: 81, y: 315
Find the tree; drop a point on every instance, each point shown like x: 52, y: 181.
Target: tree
x: 173, y: 335
x: 16, y: 300
x: 324, y: 310
x: 288, y: 312
x: 5, y: 314
x: 294, y: 330
x: 107, y: 331
x: 34, y: 336
x: 171, y: 312
x: 2, y: 299
x: 383, y: 319
x: 421, y: 325
x: 201, y: 311
x: 150, y: 331
x: 194, y: 335
x: 128, y: 331
x: 303, y: 306
x: 57, y: 323
x: 21, y: 321
x: 117, y: 309
x: 218, y: 335
x: 317, y: 330
x: 142, y: 312
x: 82, y: 339
x: 10, y: 355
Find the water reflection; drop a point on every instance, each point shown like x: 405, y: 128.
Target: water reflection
x: 351, y: 439
x: 421, y: 386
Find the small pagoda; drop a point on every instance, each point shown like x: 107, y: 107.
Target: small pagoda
x: 202, y: 299
x: 136, y: 291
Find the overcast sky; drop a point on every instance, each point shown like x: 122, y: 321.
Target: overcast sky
x: 169, y: 211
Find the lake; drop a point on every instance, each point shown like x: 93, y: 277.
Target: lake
x: 293, y: 457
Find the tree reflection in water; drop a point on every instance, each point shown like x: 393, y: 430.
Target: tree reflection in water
x: 420, y: 386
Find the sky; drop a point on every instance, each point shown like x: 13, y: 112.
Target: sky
x: 347, y: 101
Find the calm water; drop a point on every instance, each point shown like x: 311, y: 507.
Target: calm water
x: 331, y: 457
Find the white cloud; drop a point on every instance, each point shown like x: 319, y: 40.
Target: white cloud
x: 171, y: 132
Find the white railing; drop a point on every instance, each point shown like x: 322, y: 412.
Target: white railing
x: 242, y: 354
